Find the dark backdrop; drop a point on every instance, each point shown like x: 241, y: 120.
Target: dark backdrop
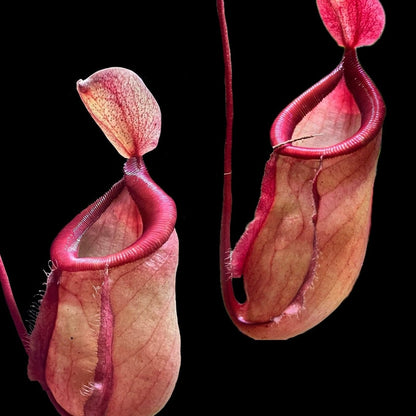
x: 54, y: 161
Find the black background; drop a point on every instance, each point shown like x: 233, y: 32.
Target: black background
x: 54, y: 161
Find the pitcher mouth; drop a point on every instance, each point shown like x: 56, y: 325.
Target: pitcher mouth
x: 370, y: 105
x: 156, y: 216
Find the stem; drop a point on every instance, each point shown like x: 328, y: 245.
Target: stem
x: 225, y: 245
x: 228, y: 87
x: 13, y: 309
x: 225, y: 239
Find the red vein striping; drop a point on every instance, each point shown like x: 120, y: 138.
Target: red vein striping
x: 156, y: 355
x: 312, y: 267
x: 97, y: 404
